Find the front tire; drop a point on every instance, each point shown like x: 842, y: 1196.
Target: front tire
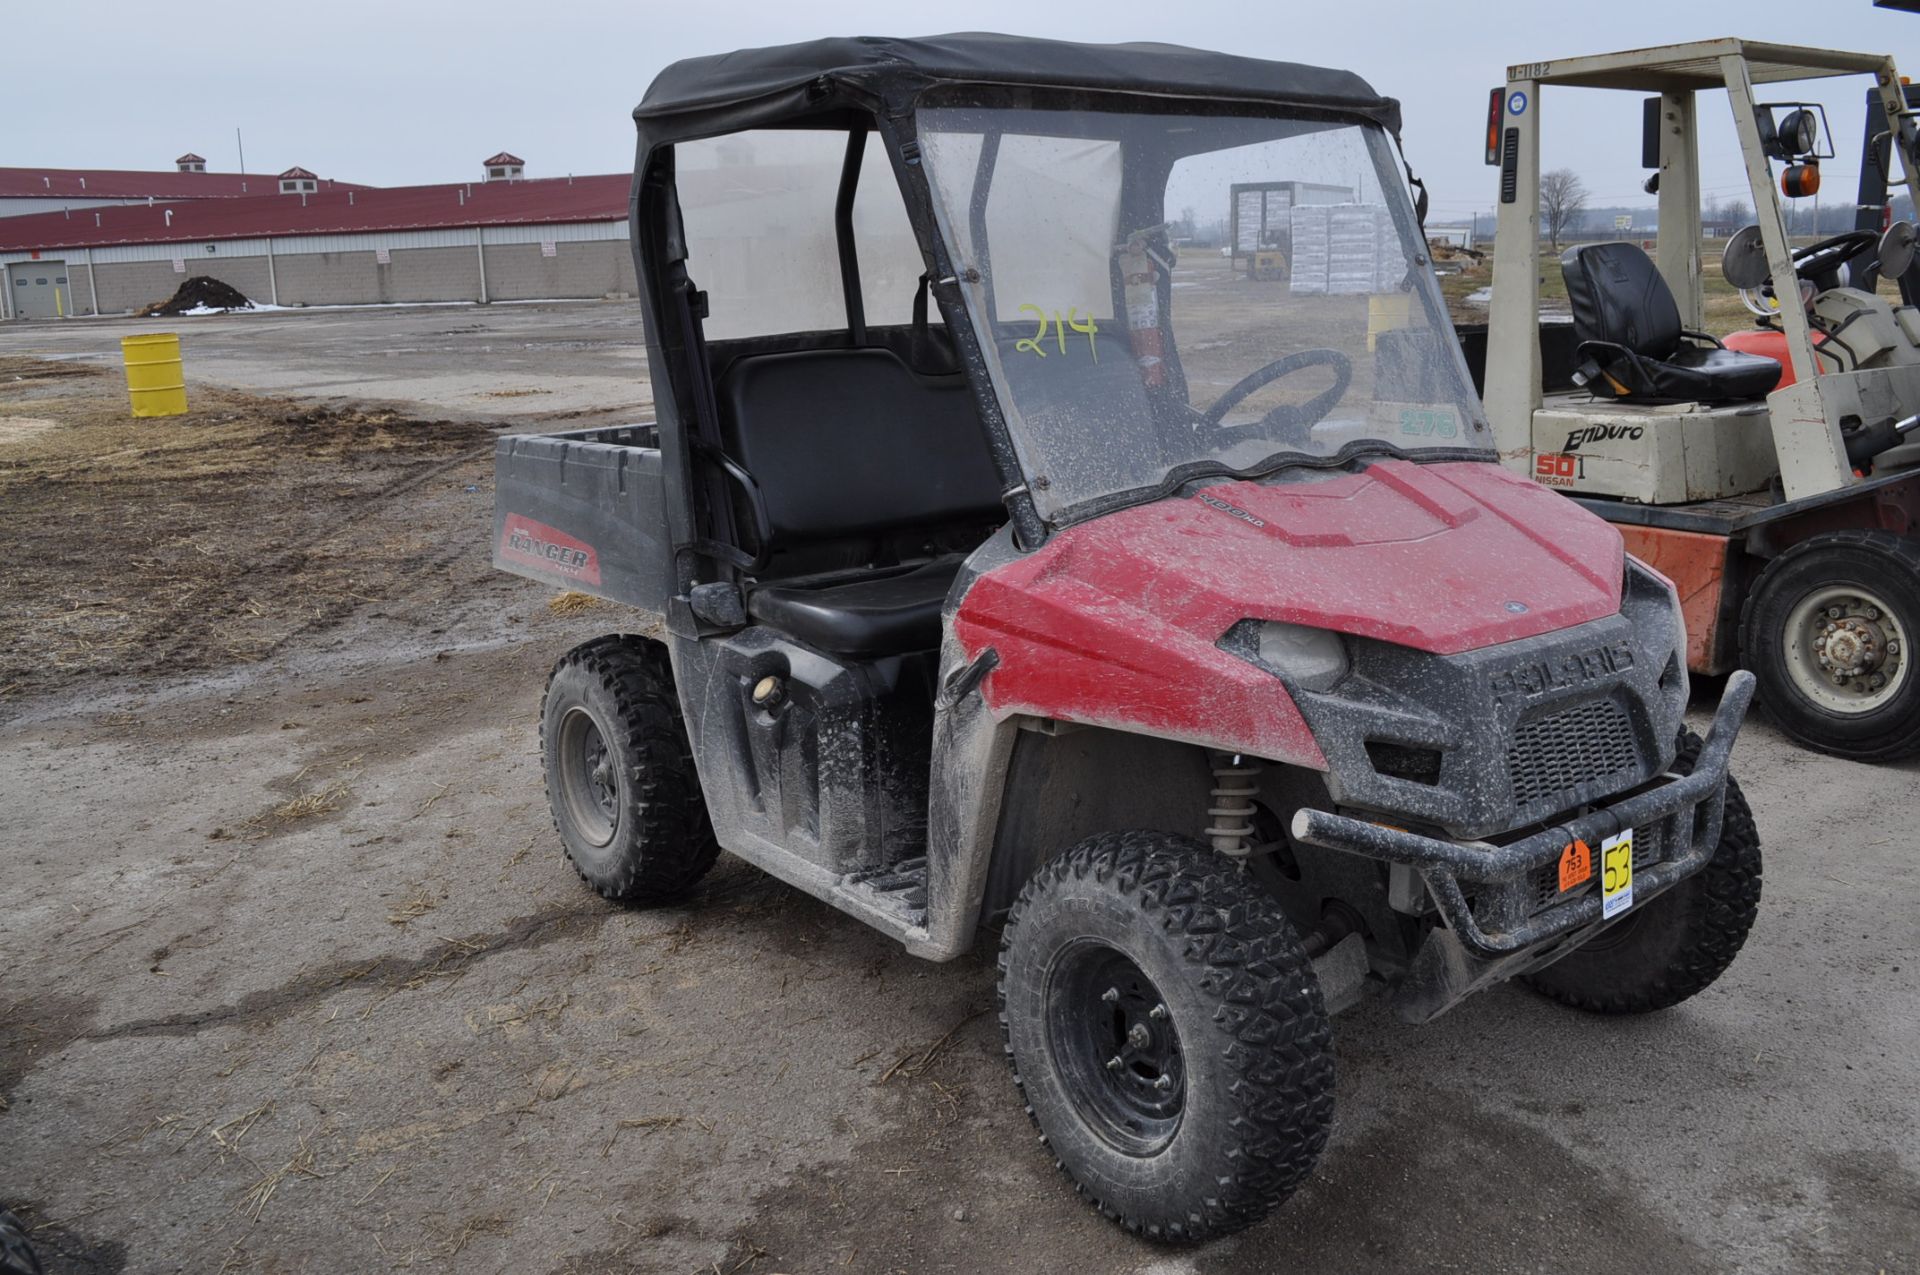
x: 1828, y: 630
x: 16, y: 1252
x: 1677, y: 944
x: 1167, y: 1034
x: 620, y: 774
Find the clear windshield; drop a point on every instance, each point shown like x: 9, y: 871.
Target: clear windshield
x: 1157, y: 291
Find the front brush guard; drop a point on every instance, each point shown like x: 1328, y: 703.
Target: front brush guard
x: 1689, y: 808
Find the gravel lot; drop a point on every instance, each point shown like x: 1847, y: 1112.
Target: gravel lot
x: 293, y: 976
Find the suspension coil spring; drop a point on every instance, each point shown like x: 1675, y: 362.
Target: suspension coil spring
x: 1231, y: 809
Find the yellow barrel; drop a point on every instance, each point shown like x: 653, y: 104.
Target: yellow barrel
x: 155, y: 382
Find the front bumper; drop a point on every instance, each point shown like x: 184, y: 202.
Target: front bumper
x: 1497, y: 930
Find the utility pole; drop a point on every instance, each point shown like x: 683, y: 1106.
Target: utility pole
x: 243, y: 150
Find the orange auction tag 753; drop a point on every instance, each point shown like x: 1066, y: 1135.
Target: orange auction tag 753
x: 1576, y: 865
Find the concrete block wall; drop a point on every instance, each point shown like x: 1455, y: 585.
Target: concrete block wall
x: 518, y: 271
x: 129, y: 285
x: 431, y: 274
x: 515, y: 272
x: 327, y: 278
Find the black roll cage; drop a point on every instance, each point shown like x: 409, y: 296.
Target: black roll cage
x: 691, y: 446
x: 859, y: 100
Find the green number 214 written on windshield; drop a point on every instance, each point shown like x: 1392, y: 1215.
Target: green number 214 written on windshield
x: 1072, y: 323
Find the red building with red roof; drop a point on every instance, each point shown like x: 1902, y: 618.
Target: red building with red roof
x: 25, y: 191
x: 334, y: 244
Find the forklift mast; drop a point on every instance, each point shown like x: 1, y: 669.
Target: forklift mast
x: 1871, y: 210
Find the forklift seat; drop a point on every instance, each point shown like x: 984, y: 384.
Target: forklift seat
x: 867, y: 616
x: 1631, y: 343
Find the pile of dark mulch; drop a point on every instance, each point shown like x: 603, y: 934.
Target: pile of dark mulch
x: 202, y: 292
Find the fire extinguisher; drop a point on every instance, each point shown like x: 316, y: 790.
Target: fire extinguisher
x: 1140, y: 271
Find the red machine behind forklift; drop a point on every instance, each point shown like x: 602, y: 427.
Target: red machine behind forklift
x: 992, y: 564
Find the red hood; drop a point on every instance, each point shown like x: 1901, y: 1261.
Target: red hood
x: 1443, y: 558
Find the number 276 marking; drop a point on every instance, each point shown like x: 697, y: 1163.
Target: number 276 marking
x: 1072, y: 323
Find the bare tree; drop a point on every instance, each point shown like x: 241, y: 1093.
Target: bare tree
x: 1736, y: 213
x: 1563, y: 197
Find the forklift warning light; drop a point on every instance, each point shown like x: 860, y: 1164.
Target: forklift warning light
x: 1496, y: 103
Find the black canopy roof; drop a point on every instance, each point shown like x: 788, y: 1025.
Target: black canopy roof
x: 731, y: 90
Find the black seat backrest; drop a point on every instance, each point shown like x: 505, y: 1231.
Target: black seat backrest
x: 848, y: 443
x: 1619, y: 298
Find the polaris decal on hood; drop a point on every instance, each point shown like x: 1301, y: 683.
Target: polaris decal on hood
x: 534, y: 544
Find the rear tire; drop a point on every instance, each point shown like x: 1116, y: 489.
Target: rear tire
x: 620, y: 774
x: 1676, y: 945
x: 1167, y: 1034
x: 1872, y: 579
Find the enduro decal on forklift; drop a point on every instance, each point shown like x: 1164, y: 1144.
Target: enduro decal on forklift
x: 534, y: 544
x: 1602, y: 434
x: 1616, y: 879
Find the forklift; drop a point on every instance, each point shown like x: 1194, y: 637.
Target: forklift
x: 989, y: 567
x: 1770, y: 474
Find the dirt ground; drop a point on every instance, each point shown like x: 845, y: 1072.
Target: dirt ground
x: 294, y: 977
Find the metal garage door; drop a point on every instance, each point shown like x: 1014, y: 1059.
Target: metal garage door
x: 39, y: 290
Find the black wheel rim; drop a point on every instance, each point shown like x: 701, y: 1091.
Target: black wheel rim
x: 1116, y: 1048
x: 589, y: 787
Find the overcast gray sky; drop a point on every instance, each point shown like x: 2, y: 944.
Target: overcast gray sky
x: 411, y: 91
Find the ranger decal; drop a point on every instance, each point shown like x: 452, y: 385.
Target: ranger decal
x: 534, y: 544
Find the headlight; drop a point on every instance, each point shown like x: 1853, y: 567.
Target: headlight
x: 1649, y: 584
x: 1315, y: 658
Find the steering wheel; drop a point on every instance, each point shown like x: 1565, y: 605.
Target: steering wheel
x: 1295, y: 418
x: 1826, y: 257
x: 1815, y: 266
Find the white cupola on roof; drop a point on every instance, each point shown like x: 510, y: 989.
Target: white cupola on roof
x: 505, y: 167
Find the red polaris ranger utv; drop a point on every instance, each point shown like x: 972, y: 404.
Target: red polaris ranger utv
x: 1001, y: 553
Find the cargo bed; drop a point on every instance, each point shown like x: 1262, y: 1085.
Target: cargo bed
x: 585, y: 510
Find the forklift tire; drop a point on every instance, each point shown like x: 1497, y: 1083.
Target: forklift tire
x: 620, y: 774
x: 1167, y: 1034
x: 1872, y: 580
x: 1678, y: 943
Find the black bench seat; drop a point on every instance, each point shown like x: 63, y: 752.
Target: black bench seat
x: 847, y: 445
x: 872, y: 615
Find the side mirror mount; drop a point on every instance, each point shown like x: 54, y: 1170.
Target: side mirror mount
x: 1896, y: 250
x: 1743, y: 262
